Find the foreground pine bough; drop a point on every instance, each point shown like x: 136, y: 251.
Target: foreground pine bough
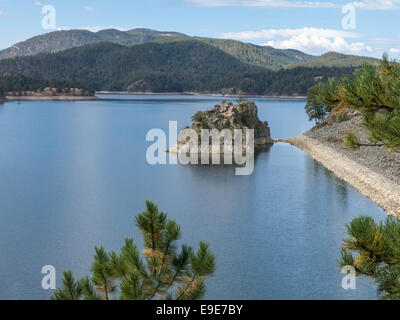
x: 372, y: 92
x: 164, y: 273
x: 373, y: 249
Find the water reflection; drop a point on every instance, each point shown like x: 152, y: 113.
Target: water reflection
x: 218, y: 160
x: 74, y: 174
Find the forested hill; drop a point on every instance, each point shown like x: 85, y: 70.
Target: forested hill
x: 61, y: 40
x: 334, y: 59
x: 264, y: 56
x: 178, y: 66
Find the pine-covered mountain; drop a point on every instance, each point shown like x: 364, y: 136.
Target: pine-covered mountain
x: 334, y: 59
x: 167, y: 66
x: 61, y: 40
x: 267, y: 57
x: 287, y: 56
x: 264, y: 56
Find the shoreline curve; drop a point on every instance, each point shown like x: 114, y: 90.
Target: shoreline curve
x: 375, y: 186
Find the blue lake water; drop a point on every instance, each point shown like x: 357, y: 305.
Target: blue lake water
x: 74, y: 174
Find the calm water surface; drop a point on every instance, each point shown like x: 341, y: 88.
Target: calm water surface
x: 74, y: 174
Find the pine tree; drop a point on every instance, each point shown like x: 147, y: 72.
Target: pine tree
x: 352, y: 142
x: 375, y: 93
x: 70, y: 289
x: 373, y: 249
x: 164, y: 272
x: 315, y: 108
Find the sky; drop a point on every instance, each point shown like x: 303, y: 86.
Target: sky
x: 364, y: 27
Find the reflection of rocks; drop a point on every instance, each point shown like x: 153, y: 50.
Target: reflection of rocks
x: 230, y: 119
x: 261, y: 151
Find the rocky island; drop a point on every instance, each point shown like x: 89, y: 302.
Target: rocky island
x: 235, y: 118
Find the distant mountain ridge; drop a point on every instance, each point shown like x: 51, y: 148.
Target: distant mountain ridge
x: 168, y: 66
x: 62, y: 40
x: 262, y: 56
x: 144, y: 60
x: 335, y: 59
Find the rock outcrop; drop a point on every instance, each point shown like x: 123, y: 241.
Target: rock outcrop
x: 226, y: 115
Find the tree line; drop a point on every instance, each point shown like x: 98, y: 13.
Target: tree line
x: 180, y: 66
x: 18, y: 85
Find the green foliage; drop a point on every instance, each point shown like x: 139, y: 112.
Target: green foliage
x: 351, y: 141
x: 19, y: 84
x: 198, y: 116
x: 164, y: 272
x: 263, y: 56
x: 375, y: 93
x: 373, y: 249
x: 287, y: 57
x: 385, y: 127
x: 102, y: 272
x: 371, y: 89
x: 245, y: 52
x: 70, y: 289
x: 170, y: 66
x: 334, y: 59
x: 315, y: 109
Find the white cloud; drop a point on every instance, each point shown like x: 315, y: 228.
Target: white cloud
x: 2, y: 13
x: 319, y: 45
x: 366, y: 4
x: 378, y: 4
x: 271, y: 33
x: 309, y: 40
x: 394, y: 50
x: 87, y: 8
x: 38, y: 4
x: 263, y: 3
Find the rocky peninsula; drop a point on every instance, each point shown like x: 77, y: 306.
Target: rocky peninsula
x: 373, y: 171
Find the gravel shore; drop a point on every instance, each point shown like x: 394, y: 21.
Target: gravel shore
x: 373, y: 171
x: 50, y: 98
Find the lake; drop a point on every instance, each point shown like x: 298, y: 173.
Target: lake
x: 74, y: 175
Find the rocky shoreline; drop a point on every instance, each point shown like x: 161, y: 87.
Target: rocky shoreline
x: 49, y: 98
x: 373, y: 171
x: 221, y: 95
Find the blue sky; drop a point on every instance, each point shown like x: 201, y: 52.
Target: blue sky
x: 311, y: 26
